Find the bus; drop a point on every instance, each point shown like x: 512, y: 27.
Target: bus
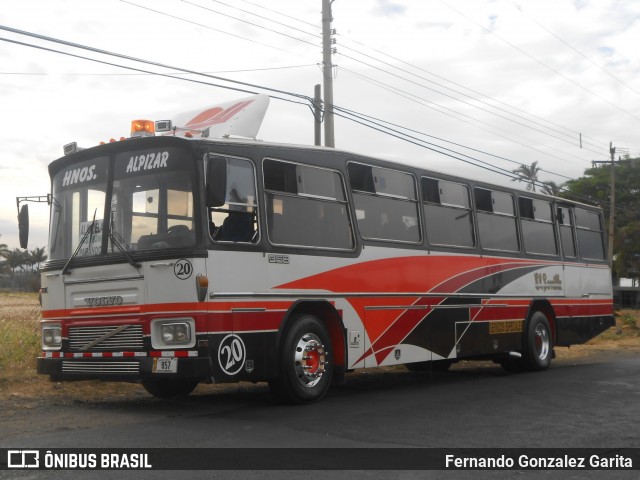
x: 175, y: 261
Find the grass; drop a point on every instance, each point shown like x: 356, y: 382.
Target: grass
x: 19, y: 333
x: 20, y: 346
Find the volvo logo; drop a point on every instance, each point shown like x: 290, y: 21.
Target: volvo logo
x: 103, y: 301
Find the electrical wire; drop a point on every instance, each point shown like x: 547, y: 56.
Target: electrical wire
x: 540, y: 62
x: 348, y: 114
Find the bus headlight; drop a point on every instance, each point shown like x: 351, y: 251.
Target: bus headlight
x: 173, y: 332
x: 51, y: 336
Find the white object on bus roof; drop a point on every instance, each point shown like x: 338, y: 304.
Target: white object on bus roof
x: 241, y: 118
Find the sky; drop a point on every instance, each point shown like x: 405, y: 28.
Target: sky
x: 501, y: 82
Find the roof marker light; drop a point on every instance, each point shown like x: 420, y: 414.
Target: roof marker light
x: 143, y: 128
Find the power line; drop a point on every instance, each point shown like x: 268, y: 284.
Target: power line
x: 369, y: 117
x: 269, y: 19
x: 243, y: 70
x: 148, y: 62
x: 279, y: 13
x: 453, y: 114
x: 540, y: 62
x: 462, y: 101
x: 344, y: 112
x: 386, y: 63
x: 519, y: 8
x: 208, y: 27
x: 249, y: 23
x: 571, y: 132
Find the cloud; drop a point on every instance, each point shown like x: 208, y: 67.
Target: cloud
x: 390, y: 8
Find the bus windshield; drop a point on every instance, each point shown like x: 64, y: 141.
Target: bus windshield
x: 147, y: 204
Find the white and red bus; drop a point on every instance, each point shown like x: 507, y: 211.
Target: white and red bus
x: 174, y: 261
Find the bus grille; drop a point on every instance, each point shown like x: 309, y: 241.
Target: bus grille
x: 75, y: 366
x: 106, y: 338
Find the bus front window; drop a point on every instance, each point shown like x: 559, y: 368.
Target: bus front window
x: 149, y: 205
x: 152, y: 201
x: 79, y: 193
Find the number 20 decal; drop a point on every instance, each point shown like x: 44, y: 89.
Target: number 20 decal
x: 231, y: 354
x: 183, y: 269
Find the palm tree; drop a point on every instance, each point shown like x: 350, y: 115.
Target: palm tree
x: 3, y: 250
x: 38, y: 256
x: 551, y: 188
x: 527, y: 174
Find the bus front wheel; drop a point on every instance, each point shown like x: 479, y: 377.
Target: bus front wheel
x: 306, y: 364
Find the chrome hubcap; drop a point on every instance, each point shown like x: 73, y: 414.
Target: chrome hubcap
x: 541, y: 340
x: 310, y: 360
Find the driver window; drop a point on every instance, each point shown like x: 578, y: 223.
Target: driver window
x: 233, y: 217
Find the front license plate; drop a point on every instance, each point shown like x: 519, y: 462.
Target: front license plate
x: 165, y: 365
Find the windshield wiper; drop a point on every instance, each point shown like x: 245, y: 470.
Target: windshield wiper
x: 118, y: 244
x: 88, y: 233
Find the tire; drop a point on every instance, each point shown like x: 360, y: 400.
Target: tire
x: 538, y: 343
x: 169, y: 388
x: 435, y: 366
x: 305, y: 361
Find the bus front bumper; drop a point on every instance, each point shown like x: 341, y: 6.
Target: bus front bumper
x: 124, y: 369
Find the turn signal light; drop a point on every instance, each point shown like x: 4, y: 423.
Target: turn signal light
x: 202, y: 285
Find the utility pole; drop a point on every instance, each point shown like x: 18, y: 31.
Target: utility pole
x: 612, y: 203
x: 317, y: 115
x: 327, y: 72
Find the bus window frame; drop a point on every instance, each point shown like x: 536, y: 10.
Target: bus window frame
x: 551, y: 222
x: 515, y: 217
x: 417, y: 201
x: 257, y: 236
x: 569, y: 208
x: 469, y: 209
x: 345, y: 202
x: 603, y: 239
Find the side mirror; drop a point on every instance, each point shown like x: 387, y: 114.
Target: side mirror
x: 23, y: 226
x: 216, y: 181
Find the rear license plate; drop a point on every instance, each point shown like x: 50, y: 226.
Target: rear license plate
x: 165, y: 365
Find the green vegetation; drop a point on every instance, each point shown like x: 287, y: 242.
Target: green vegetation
x: 19, y: 333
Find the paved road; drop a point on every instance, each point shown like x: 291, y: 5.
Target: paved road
x: 590, y: 402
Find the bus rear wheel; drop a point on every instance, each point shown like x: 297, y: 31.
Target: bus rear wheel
x: 538, y: 343
x: 306, y: 364
x: 168, y: 388
x: 537, y: 347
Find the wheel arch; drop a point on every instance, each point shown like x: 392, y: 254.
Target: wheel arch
x: 330, y: 318
x: 543, y: 305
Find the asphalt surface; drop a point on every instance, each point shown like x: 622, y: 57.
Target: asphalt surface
x: 590, y: 402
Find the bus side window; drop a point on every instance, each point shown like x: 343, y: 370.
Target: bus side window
x: 589, y: 230
x: 497, y: 225
x: 386, y: 202
x: 538, y: 231
x: 306, y: 206
x: 566, y: 227
x: 447, y: 212
x: 232, y: 200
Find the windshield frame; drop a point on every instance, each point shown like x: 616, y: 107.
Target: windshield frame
x: 188, y: 156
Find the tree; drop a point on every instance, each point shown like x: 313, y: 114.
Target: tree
x: 594, y: 188
x: 527, y: 174
x: 37, y: 256
x: 551, y: 188
x: 3, y: 250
